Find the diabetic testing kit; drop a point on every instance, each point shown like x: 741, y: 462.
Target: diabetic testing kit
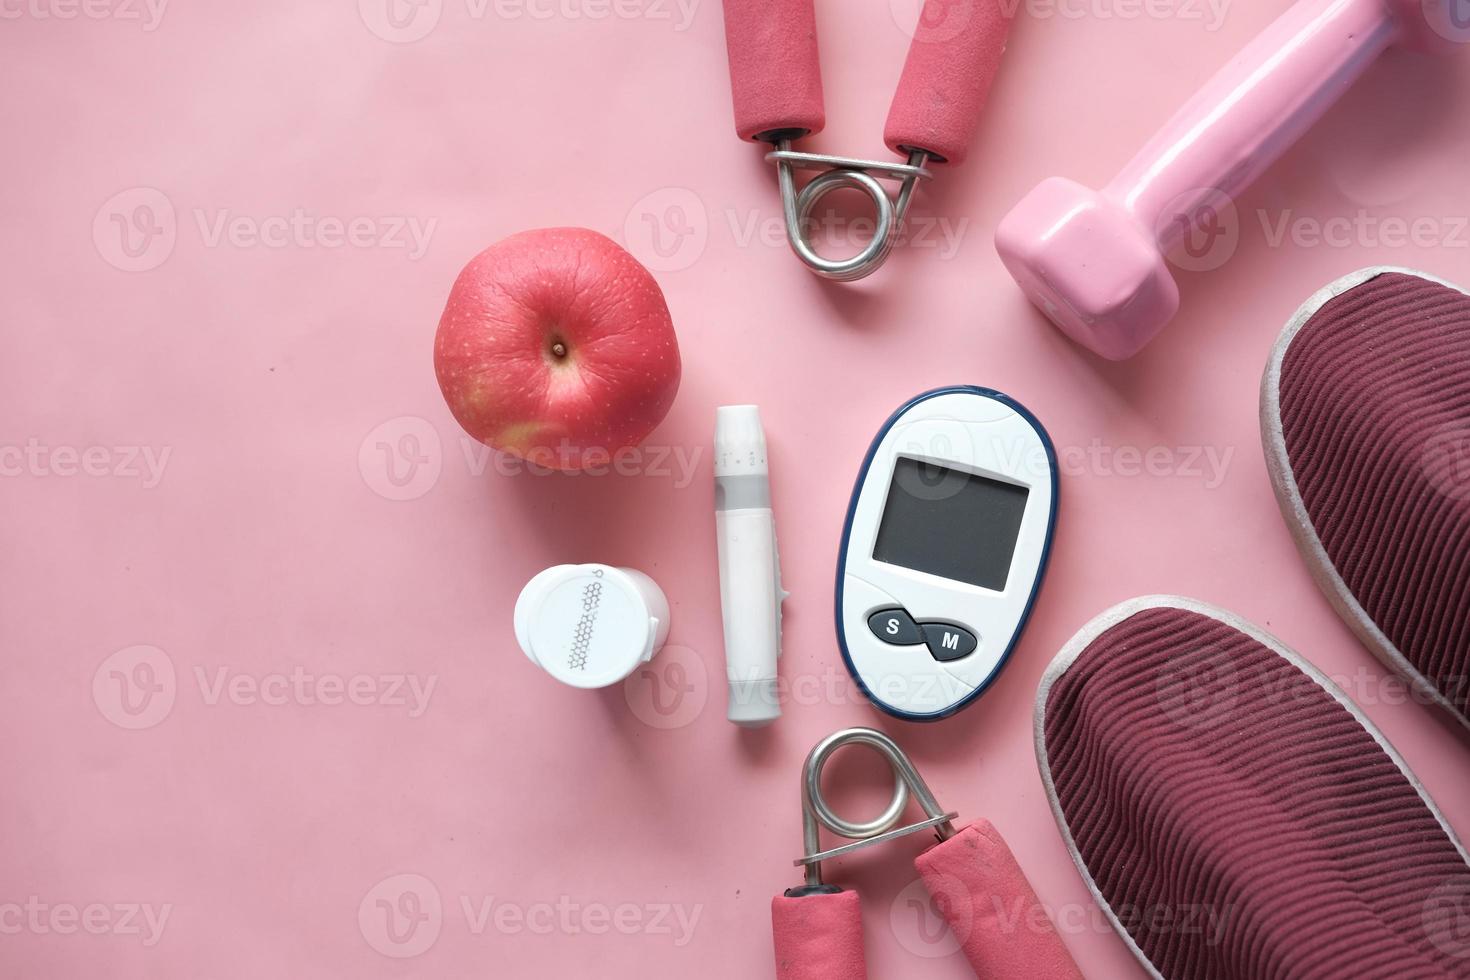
x: 949, y: 529
x: 943, y: 551
x: 944, y: 548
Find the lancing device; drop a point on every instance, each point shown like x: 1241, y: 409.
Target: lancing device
x: 750, y: 571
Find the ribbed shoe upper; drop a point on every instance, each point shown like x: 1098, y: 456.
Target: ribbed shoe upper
x: 1241, y: 822
x: 1374, y: 398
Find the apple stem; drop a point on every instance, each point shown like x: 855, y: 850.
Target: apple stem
x: 559, y: 349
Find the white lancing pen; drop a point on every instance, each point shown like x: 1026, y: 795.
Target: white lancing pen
x: 750, y: 570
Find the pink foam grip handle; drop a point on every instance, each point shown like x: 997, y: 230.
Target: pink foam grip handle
x: 952, y: 60
x: 819, y: 937
x: 774, y: 74
x: 991, y: 908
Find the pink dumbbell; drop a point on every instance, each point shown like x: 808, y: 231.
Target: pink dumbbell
x: 1094, y: 261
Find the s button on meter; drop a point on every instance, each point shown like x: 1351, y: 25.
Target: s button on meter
x: 895, y: 626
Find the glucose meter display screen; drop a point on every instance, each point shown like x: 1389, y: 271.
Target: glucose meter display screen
x: 951, y: 524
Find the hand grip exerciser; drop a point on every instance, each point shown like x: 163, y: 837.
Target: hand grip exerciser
x: 998, y: 921
x: 1094, y: 262
x: 777, y: 85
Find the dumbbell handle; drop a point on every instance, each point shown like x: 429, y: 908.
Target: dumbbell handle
x: 1252, y: 110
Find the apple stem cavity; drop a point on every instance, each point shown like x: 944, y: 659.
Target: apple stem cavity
x: 558, y: 349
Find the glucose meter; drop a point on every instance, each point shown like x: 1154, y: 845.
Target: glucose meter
x: 945, y: 546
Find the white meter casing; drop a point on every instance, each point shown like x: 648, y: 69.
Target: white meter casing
x: 946, y: 542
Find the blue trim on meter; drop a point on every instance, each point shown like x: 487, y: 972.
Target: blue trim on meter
x: 1051, y: 522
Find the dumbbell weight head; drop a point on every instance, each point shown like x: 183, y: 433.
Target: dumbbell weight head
x: 1092, y: 267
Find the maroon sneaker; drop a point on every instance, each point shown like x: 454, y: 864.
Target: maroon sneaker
x: 1365, y: 415
x: 1234, y: 814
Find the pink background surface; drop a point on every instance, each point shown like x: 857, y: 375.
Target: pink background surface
x: 283, y: 380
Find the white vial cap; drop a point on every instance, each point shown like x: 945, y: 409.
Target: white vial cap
x: 590, y: 626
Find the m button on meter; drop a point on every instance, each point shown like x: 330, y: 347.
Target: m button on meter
x: 947, y: 642
x: 896, y: 627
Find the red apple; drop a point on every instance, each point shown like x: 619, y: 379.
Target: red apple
x: 556, y: 345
